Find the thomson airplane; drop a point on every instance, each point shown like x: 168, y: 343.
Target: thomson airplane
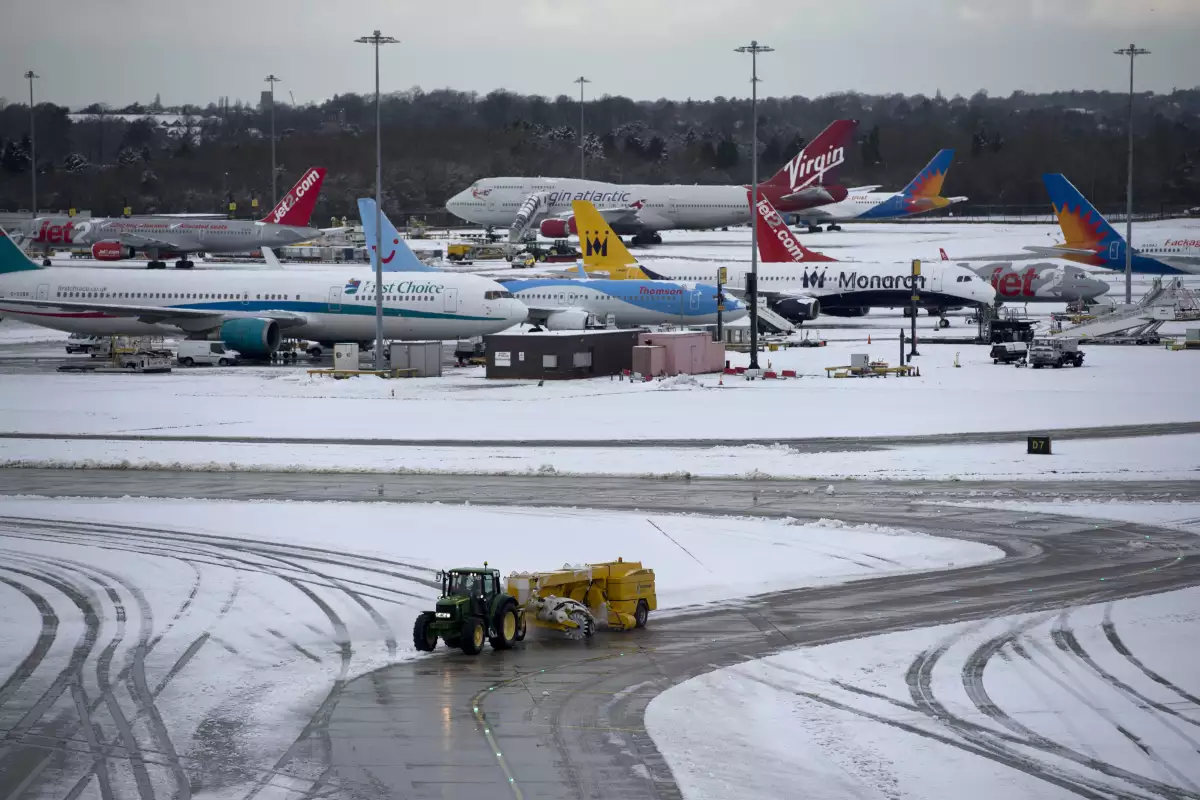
x: 923, y: 194
x: 249, y: 310
x: 1091, y: 240
x: 642, y: 210
x: 116, y: 238
x: 800, y: 284
x: 567, y: 303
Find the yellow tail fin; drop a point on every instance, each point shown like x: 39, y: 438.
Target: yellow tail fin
x: 601, y: 247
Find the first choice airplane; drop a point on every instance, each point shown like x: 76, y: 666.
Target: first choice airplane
x: 250, y: 310
x: 923, y: 193
x: 116, y: 238
x: 642, y: 209
x: 568, y: 303
x: 1091, y: 240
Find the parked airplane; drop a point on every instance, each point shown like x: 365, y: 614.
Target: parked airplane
x: 569, y: 303
x: 835, y: 288
x: 923, y: 193
x: 1043, y: 282
x: 249, y: 310
x: 1091, y: 240
x: 642, y: 210
x: 112, y: 239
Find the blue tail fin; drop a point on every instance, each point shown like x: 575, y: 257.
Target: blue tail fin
x: 397, y: 255
x: 928, y: 182
x: 1082, y: 225
x: 11, y: 257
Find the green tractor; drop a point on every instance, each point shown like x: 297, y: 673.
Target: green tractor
x: 472, y: 607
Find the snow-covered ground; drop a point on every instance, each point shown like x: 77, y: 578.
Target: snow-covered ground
x: 1157, y: 458
x: 1098, y: 701
x: 1116, y: 385
x: 1178, y: 515
x: 206, y: 635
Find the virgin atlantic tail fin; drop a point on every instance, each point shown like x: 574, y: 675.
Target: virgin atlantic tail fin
x: 776, y: 242
x: 818, y: 162
x: 297, y: 205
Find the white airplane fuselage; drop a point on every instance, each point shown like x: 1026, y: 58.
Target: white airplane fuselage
x: 324, y: 306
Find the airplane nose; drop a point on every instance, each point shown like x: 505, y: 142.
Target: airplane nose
x: 1099, y: 287
x: 515, y: 312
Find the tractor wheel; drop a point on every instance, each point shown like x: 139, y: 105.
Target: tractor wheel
x: 424, y: 639
x: 505, y: 625
x: 472, y: 637
x: 641, y: 614
x: 520, y: 635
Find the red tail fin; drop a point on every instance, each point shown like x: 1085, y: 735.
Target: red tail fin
x: 818, y: 161
x: 945, y: 257
x: 776, y: 242
x: 297, y: 205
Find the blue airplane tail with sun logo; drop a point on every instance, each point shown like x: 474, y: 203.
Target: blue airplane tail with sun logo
x: 397, y: 257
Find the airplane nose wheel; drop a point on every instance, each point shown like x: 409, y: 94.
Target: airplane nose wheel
x: 183, y: 263
x: 943, y: 323
x: 46, y: 262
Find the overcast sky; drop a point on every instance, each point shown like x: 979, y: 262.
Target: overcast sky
x: 118, y: 51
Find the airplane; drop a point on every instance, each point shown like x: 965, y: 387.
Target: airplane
x: 116, y: 238
x: 250, y: 310
x: 923, y: 193
x: 644, y: 210
x: 1091, y: 240
x: 1043, y: 282
x: 568, y: 303
x: 839, y: 289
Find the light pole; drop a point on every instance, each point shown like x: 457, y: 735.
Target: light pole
x: 754, y: 48
x: 378, y: 40
x: 581, y: 81
x: 271, y: 79
x: 30, y: 75
x: 1133, y: 51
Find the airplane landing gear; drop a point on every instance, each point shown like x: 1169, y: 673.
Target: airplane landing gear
x: 814, y: 228
x: 641, y: 239
x: 46, y: 262
x: 943, y: 323
x: 184, y: 263
x: 833, y: 227
x: 156, y: 264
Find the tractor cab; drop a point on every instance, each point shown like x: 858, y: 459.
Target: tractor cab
x: 472, y: 586
x: 472, y: 607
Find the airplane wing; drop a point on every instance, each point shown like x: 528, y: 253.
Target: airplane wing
x: 813, y: 194
x: 134, y: 240
x: 1059, y: 252
x: 864, y: 189
x: 187, y: 319
x: 814, y: 214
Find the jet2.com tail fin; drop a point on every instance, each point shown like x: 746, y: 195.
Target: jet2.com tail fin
x: 928, y: 182
x: 1082, y: 225
x: 776, y: 242
x: 600, y: 245
x: 398, y: 257
x: 296, y: 207
x: 11, y: 257
x: 818, y: 162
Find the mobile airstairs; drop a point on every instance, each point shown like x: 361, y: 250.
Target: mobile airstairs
x: 1170, y: 303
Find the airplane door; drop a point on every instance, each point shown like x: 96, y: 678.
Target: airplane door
x: 335, y: 299
x: 451, y: 301
x: 670, y: 209
x: 935, y: 281
x: 43, y: 291
x: 694, y: 305
x: 1114, y: 251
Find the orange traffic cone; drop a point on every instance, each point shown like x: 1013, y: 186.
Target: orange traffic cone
x: 868, y: 338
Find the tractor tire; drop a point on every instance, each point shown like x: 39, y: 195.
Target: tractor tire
x: 424, y: 639
x: 472, y: 637
x: 505, y: 625
x: 641, y: 614
x: 520, y: 635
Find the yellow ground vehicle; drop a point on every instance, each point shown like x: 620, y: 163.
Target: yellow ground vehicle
x: 619, y: 594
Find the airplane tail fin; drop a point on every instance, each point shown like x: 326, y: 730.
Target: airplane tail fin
x: 928, y: 182
x: 1082, y: 225
x: 296, y: 207
x: 601, y: 247
x: 11, y: 257
x: 398, y: 256
x: 776, y: 242
x: 818, y: 162
x: 942, y: 251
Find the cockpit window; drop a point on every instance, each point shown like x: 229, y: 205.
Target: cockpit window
x: 496, y: 295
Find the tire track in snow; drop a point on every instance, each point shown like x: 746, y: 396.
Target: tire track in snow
x: 1110, y: 633
x: 41, y: 646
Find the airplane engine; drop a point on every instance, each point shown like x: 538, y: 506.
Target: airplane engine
x: 253, y: 338
x: 558, y: 228
x: 110, y: 251
x: 568, y: 320
x: 848, y: 312
x: 798, y: 309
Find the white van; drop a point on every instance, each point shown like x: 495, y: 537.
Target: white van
x: 192, y: 353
